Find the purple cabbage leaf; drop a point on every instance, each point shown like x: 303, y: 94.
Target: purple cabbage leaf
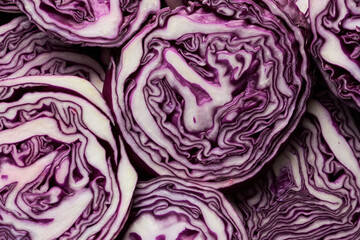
x: 335, y: 26
x: 211, y: 97
x: 9, y: 6
x: 312, y: 190
x: 96, y: 23
x: 171, y: 208
x: 63, y: 174
x: 26, y: 51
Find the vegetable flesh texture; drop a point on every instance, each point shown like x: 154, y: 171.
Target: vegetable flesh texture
x: 171, y: 208
x: 8, y: 6
x: 94, y: 23
x: 206, y: 98
x: 334, y: 25
x: 303, y: 5
x: 60, y: 164
x: 27, y: 51
x: 312, y: 189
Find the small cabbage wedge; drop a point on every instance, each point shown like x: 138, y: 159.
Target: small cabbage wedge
x: 211, y: 97
x: 335, y: 26
x: 171, y: 208
x: 312, y: 190
x: 63, y: 173
x: 108, y: 23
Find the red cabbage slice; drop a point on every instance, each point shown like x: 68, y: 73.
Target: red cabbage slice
x: 312, y: 189
x: 171, y: 208
x: 25, y: 51
x: 211, y: 97
x: 96, y: 23
x: 335, y: 26
x: 63, y: 173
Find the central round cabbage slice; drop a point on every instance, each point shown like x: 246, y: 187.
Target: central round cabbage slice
x: 212, y: 96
